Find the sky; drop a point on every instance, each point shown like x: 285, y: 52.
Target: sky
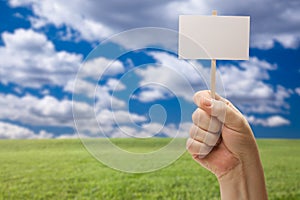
x: 98, y: 66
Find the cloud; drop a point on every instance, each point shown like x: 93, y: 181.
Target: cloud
x: 182, y: 132
x: 50, y: 112
x: 29, y: 59
x: 47, y: 111
x: 273, y: 121
x: 278, y: 24
x: 83, y: 87
x: 103, y: 93
x: 157, y: 37
x: 68, y: 136
x: 100, y: 66
x: 153, y: 129
x: 111, y: 123
x: 79, y: 17
x: 93, y: 71
x: 118, y: 117
x: 104, y: 96
x: 176, y: 78
x: 94, y: 20
x: 245, y: 85
x: 12, y: 131
x: 152, y: 93
x: 297, y: 90
x: 115, y: 85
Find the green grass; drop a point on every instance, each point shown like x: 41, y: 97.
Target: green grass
x: 63, y: 169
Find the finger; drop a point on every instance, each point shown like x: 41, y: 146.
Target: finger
x: 222, y: 109
x: 204, y: 93
x: 201, y: 135
x: 204, y: 121
x: 197, y: 148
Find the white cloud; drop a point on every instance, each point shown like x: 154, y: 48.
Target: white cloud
x: 148, y: 37
x: 196, y: 73
x: 297, y: 90
x: 94, y: 20
x: 12, y: 131
x: 51, y: 112
x: 105, y: 100
x: 86, y: 82
x: 30, y: 60
x: 152, y: 93
x: 82, y: 87
x: 136, y: 132
x: 118, y: 117
x: 78, y: 16
x: 279, y: 24
x: 182, y: 132
x: 115, y: 85
x: 245, y: 85
x: 272, y: 121
x: 100, y: 66
x: 68, y: 136
x: 47, y: 111
x: 153, y: 129
x: 170, y: 77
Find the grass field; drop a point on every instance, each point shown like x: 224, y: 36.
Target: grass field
x: 63, y: 169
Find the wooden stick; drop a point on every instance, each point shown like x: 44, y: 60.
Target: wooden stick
x: 214, y: 12
x: 213, y: 79
x: 213, y: 72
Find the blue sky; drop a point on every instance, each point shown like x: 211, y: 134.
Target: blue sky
x: 43, y: 45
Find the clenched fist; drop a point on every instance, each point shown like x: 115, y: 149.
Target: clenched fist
x: 222, y: 141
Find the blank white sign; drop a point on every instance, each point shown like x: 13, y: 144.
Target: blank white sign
x: 214, y: 37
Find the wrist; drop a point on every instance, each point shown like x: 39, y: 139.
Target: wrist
x: 233, y: 184
x: 245, y: 181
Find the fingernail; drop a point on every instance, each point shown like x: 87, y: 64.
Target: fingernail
x: 207, y: 102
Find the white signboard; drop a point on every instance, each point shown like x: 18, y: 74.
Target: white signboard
x: 214, y: 37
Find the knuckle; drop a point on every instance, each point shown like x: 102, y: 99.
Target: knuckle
x: 195, y: 115
x: 219, y: 108
x: 213, y: 139
x: 196, y: 97
x: 215, y: 125
x: 197, y: 133
x: 192, y: 131
x: 189, y: 144
x: 204, y: 150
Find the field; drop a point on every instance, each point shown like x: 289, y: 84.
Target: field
x: 63, y: 169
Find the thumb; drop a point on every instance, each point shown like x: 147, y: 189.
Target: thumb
x: 223, y: 110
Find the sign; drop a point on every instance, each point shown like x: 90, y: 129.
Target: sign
x: 214, y: 37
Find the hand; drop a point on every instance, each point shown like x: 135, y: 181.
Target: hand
x: 234, y: 157
x: 235, y: 144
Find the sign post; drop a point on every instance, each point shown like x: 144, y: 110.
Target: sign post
x: 213, y: 70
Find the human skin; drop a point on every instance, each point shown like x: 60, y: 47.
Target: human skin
x: 234, y: 157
